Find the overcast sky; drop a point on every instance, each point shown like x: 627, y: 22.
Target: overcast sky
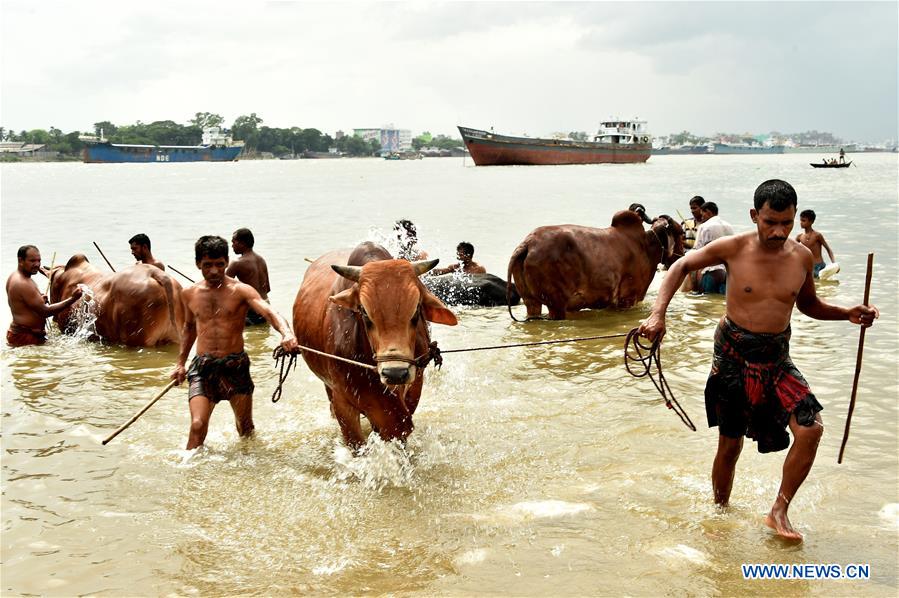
x: 529, y: 68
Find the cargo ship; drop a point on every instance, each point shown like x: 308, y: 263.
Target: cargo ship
x: 745, y: 148
x: 617, y: 141
x: 216, y: 146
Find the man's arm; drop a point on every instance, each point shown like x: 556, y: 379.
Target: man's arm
x: 188, y: 337
x: 712, y: 254
x: 811, y: 305
x: 260, y: 306
x: 33, y: 300
x: 827, y: 247
x: 447, y: 270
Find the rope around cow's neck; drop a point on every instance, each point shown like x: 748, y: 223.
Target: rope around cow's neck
x: 635, y: 350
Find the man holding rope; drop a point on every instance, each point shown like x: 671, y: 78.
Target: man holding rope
x: 214, y: 315
x: 754, y: 389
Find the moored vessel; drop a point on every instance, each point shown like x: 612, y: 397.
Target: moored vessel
x: 617, y: 141
x: 216, y: 146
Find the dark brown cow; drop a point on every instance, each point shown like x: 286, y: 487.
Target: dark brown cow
x: 139, y: 306
x: 570, y: 267
x: 365, y: 306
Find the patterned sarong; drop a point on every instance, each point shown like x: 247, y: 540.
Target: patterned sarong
x: 219, y: 378
x: 754, y: 387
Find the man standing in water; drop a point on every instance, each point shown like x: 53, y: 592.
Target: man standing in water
x: 29, y: 310
x: 214, y: 313
x: 249, y: 269
x: 754, y: 389
x: 140, y: 249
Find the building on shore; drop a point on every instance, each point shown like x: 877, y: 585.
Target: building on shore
x: 391, y: 139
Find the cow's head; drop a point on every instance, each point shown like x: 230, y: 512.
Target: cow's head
x: 392, y: 302
x: 670, y: 236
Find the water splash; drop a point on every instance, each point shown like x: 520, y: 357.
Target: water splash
x: 377, y: 464
x: 83, y: 321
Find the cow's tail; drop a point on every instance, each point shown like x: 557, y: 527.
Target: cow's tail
x: 165, y: 281
x: 516, y: 268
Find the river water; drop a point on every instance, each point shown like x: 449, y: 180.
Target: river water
x: 532, y: 471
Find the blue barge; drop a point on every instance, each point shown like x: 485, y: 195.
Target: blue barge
x: 216, y: 147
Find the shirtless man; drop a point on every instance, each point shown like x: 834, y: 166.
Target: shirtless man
x: 466, y: 263
x: 813, y: 240
x: 214, y: 312
x: 249, y: 269
x: 754, y: 389
x: 29, y: 308
x: 140, y: 249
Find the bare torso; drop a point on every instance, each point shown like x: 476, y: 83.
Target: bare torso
x: 812, y: 240
x: 251, y: 269
x: 21, y: 293
x: 763, y: 284
x: 218, y: 314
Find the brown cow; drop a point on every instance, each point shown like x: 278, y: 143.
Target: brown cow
x: 139, y: 306
x: 373, y: 310
x: 570, y: 267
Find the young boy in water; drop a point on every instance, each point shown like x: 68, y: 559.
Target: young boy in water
x: 215, y: 312
x: 813, y: 240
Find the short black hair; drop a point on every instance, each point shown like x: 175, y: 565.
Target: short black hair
x: 245, y: 236
x: 140, y: 239
x: 23, y: 251
x: 466, y: 248
x: 810, y: 214
x: 407, y: 225
x: 696, y: 200
x: 778, y: 194
x: 711, y: 206
x: 210, y: 246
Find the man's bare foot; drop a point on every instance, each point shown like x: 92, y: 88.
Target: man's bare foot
x: 778, y: 521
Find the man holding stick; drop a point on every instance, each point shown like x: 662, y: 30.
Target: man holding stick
x: 754, y: 389
x: 214, y: 314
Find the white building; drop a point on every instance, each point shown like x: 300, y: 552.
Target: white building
x: 390, y: 138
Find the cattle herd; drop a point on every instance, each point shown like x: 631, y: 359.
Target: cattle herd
x: 365, y: 306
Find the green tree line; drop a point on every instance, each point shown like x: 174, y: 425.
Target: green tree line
x: 249, y: 128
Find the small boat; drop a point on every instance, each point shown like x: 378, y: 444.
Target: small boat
x: 828, y: 165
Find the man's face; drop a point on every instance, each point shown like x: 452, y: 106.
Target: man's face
x: 138, y: 251
x: 237, y: 246
x: 696, y: 210
x: 32, y: 262
x: 706, y: 215
x: 804, y: 222
x: 774, y: 227
x: 213, y: 269
x: 463, y: 257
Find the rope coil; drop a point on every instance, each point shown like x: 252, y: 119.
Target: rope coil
x: 635, y: 350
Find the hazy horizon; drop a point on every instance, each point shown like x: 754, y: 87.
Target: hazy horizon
x: 532, y: 68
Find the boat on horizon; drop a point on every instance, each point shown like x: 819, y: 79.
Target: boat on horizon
x: 745, y: 148
x: 617, y: 142
x: 216, y: 146
x: 830, y: 164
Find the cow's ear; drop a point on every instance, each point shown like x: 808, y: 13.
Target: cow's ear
x: 435, y: 311
x: 348, y: 298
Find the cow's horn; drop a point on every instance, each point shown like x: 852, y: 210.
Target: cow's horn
x: 351, y: 272
x: 423, y: 266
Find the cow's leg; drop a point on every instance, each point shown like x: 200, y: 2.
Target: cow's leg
x: 347, y: 417
x: 390, y: 425
x: 200, y: 412
x: 242, y: 405
x: 556, y: 312
x: 534, y: 308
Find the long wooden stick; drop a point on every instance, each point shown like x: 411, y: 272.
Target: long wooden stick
x: 139, y: 413
x: 52, y: 263
x: 858, y: 359
x: 104, y: 256
x: 177, y: 271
